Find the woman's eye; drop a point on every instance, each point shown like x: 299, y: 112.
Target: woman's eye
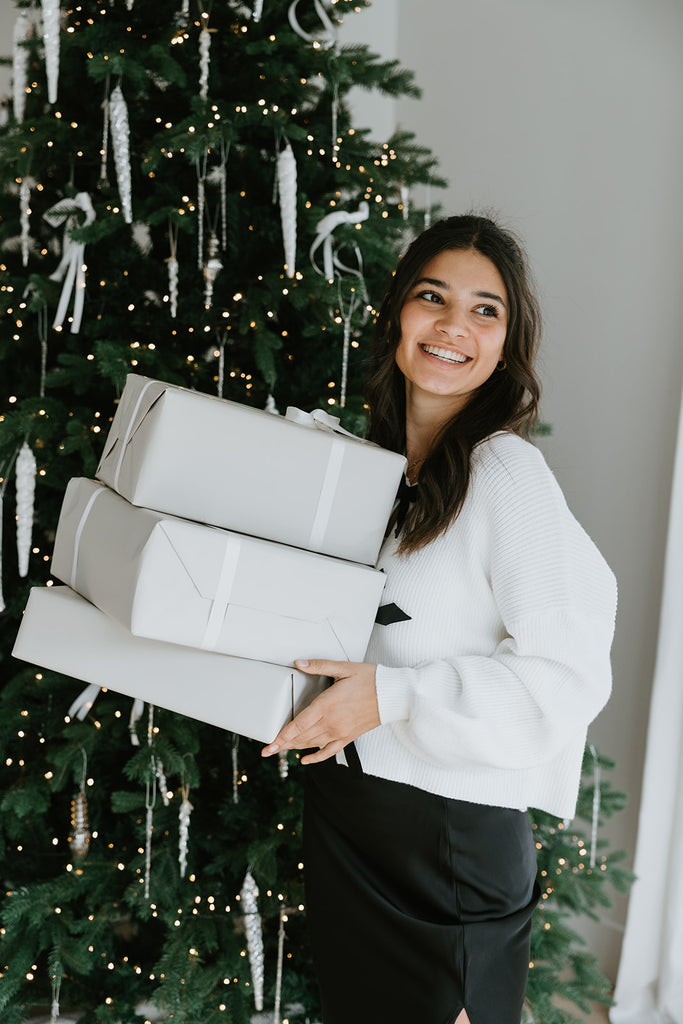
x: 487, y: 310
x: 429, y: 296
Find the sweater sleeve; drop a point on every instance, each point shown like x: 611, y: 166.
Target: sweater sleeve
x: 550, y: 674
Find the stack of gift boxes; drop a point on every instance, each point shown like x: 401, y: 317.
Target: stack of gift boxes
x: 218, y: 544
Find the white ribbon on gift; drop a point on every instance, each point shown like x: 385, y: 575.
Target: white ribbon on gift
x: 129, y: 431
x: 74, y: 213
x: 324, y: 231
x: 321, y: 420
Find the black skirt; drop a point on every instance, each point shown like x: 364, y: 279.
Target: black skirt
x: 418, y: 905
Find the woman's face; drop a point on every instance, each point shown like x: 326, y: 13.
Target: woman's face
x: 453, y: 326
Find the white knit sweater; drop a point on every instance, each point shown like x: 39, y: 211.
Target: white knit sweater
x: 486, y: 693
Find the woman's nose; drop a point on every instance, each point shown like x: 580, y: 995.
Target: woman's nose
x: 452, y: 322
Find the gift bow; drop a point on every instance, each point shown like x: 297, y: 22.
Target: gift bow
x: 325, y: 229
x: 73, y: 213
x: 319, y: 419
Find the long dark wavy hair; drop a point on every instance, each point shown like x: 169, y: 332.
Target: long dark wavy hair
x: 508, y: 400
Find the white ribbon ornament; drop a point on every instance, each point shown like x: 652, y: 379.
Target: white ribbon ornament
x: 324, y: 231
x: 73, y: 213
x: 327, y: 37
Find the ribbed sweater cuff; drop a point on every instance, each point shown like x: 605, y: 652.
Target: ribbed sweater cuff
x: 394, y: 693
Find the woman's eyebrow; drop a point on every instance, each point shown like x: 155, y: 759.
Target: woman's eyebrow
x: 446, y: 287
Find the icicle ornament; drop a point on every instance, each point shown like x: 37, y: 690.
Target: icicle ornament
x: 79, y: 840
x: 22, y: 32
x: 211, y: 270
x: 254, y: 933
x: 235, y: 769
x: 204, y: 61
x: 286, y: 180
x: 120, y: 138
x: 184, y: 830
x: 26, y: 489
x: 51, y: 42
x: 258, y: 10
x: 24, y: 219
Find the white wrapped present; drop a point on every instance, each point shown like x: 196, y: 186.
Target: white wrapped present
x: 298, y: 480
x: 62, y: 631
x: 176, y: 580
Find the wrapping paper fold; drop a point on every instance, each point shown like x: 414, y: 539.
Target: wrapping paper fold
x: 62, y: 631
x: 219, y: 462
x: 171, y: 579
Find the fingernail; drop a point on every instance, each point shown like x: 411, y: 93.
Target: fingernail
x: 267, y: 751
x: 301, y: 663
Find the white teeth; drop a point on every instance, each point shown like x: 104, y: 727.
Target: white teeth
x: 442, y: 353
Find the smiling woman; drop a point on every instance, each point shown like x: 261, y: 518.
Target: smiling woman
x: 474, y: 699
x: 453, y: 327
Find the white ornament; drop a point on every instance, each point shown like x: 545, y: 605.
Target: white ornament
x: 79, y: 840
x: 272, y: 408
x: 24, y: 215
x: 22, y: 32
x: 211, y: 271
x: 51, y: 42
x: 204, y: 60
x: 405, y: 201
x: 184, y: 830
x: 258, y: 10
x: 254, y: 933
x: 73, y: 213
x: 286, y: 180
x: 282, y: 760
x: 327, y: 37
x: 172, y: 264
x: 26, y: 488
x: 324, y: 230
x: 120, y: 137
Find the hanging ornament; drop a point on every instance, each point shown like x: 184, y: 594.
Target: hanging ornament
x: 254, y: 933
x: 258, y: 10
x: 219, y: 176
x: 51, y: 43
x: 211, y: 270
x: 326, y: 38
x: 56, y: 973
x: 172, y: 264
x: 104, y: 148
x: 282, y: 760
x: 428, y: 206
x: 596, y: 805
x: 335, y: 119
x: 24, y: 219
x: 79, y: 840
x: 73, y: 213
x: 324, y: 230
x: 150, y: 800
x: 26, y: 487
x: 184, y: 829
x: 22, y: 33
x: 405, y: 201
x: 161, y: 779
x: 204, y: 61
x: 120, y: 138
x: 286, y: 180
x: 280, y: 963
x: 358, y: 294
x: 201, y: 204
x: 235, y: 769
x: 271, y: 407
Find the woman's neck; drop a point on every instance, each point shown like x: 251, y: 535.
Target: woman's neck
x: 426, y: 414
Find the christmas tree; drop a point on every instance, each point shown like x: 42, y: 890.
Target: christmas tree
x: 183, y: 195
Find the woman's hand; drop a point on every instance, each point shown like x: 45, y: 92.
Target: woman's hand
x: 337, y: 716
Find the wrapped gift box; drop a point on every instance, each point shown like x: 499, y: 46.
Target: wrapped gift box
x: 62, y: 631
x: 175, y: 580
x: 218, y: 462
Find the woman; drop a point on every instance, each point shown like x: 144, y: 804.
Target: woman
x: 490, y: 659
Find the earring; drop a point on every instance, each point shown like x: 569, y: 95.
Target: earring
x: 501, y: 365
